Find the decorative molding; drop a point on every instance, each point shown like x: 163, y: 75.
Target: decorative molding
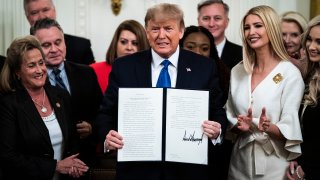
x: 81, y: 17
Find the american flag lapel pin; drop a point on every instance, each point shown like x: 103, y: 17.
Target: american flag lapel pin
x: 188, y: 69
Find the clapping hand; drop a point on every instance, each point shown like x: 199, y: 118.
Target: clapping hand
x: 245, y: 121
x: 264, y: 122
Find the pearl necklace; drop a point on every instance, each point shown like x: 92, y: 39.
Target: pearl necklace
x: 43, y: 108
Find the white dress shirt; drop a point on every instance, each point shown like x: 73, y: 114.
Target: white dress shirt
x: 172, y: 68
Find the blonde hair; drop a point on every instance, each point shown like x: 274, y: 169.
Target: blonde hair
x: 295, y: 17
x: 165, y: 11
x: 271, y: 22
x: 311, y: 69
x: 9, y: 81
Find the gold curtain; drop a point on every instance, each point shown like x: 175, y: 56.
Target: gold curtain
x: 314, y: 8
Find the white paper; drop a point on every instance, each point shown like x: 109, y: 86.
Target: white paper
x: 185, y: 139
x: 140, y: 124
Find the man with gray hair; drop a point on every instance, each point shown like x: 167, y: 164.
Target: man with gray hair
x: 79, y: 49
x: 214, y: 15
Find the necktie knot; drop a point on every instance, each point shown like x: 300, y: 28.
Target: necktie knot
x: 56, y: 71
x: 58, y: 79
x: 164, y: 80
x: 165, y: 63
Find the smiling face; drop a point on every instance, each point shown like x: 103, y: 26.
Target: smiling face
x: 255, y: 32
x: 164, y: 36
x: 198, y: 43
x: 292, y: 37
x: 214, y: 18
x: 39, y: 9
x: 33, y: 72
x: 127, y: 43
x: 53, y: 45
x: 313, y: 44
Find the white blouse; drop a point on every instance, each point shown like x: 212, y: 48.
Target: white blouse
x: 56, y: 136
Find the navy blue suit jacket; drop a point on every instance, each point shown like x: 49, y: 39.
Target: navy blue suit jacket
x: 135, y: 71
x: 86, y: 97
x: 78, y: 49
x: 231, y: 54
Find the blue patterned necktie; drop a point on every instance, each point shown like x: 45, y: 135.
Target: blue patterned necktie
x: 164, y: 77
x: 58, y: 79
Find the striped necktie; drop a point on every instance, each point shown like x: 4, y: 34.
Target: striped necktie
x: 58, y: 79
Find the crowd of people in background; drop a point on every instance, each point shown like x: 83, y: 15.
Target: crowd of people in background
x: 59, y: 107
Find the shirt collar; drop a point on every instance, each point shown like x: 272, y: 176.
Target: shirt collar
x: 220, y: 46
x: 61, y: 67
x: 156, y: 59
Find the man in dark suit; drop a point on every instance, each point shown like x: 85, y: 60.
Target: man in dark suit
x: 79, y: 80
x: 79, y: 49
x: 213, y: 15
x: 164, y: 26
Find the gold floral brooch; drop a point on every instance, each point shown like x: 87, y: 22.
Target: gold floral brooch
x: 277, y: 78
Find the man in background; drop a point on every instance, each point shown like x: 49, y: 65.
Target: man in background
x: 78, y: 79
x: 214, y: 15
x: 78, y: 48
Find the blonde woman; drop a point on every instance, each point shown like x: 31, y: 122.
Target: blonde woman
x: 308, y: 163
x: 293, y: 24
x: 265, y: 94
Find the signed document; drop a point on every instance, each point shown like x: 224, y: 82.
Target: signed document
x: 141, y: 123
x: 185, y: 140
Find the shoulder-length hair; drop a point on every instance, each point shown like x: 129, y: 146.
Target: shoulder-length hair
x: 311, y: 69
x: 130, y: 25
x: 9, y: 80
x: 271, y: 21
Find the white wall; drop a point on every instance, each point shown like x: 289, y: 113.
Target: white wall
x: 94, y: 18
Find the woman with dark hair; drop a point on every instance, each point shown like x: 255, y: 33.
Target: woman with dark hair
x: 129, y: 37
x: 199, y: 40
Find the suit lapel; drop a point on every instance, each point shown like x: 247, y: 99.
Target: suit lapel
x: 143, y: 69
x: 32, y: 115
x: 71, y: 75
x: 184, y: 70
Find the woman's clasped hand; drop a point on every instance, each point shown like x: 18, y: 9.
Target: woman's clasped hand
x: 72, y: 166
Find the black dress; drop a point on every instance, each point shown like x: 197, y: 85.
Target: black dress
x: 310, y: 126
